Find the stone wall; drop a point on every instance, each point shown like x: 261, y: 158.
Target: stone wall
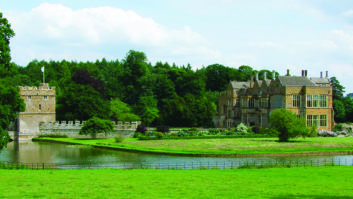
x: 72, y: 128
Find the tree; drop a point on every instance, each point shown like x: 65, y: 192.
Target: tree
x: 96, y: 125
x: 5, y: 35
x: 10, y: 103
x: 339, y: 110
x: 287, y: 124
x: 337, y: 89
x: 122, y: 112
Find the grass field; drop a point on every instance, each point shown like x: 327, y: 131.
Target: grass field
x: 225, y: 146
x: 289, y: 183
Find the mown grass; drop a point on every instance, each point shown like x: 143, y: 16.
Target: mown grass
x: 224, y: 146
x: 320, y: 182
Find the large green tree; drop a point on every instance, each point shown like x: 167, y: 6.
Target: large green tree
x: 96, y: 125
x: 10, y: 103
x: 122, y: 112
x: 287, y: 124
x: 5, y: 35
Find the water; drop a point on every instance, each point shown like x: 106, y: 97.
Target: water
x: 79, y: 156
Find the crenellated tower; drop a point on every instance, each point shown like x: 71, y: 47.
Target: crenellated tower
x: 40, y: 107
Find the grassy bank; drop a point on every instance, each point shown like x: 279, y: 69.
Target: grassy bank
x: 222, y: 146
x: 321, y: 182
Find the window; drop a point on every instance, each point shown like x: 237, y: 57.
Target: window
x: 229, y: 102
x: 323, y: 120
x: 309, y: 101
x: 296, y: 100
x: 264, y: 102
x: 228, y: 114
x: 29, y: 97
x: 251, y: 103
x: 277, y: 101
x: 237, y: 102
x: 40, y: 107
x: 309, y: 120
x: 45, y: 97
x: 316, y: 120
x: 316, y: 101
x: 245, y: 103
x: 323, y: 101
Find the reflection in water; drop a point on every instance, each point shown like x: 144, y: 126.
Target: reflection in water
x: 61, y: 154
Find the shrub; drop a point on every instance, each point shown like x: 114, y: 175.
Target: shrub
x: 96, y: 125
x: 137, y: 134
x: 313, y: 131
x: 119, y: 138
x: 229, y: 133
x: 287, y: 124
x: 163, y: 129
x: 142, y: 129
x: 242, y: 128
x: 52, y: 136
x: 173, y: 134
x: 191, y: 132
x: 214, y: 131
x: 324, y: 133
x: 151, y: 134
x: 160, y: 135
x: 182, y: 133
x: 338, y: 127
x: 255, y: 129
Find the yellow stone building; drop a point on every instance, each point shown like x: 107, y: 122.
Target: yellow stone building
x: 252, y: 102
x: 40, y: 107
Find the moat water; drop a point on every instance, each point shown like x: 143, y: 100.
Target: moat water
x: 77, y: 156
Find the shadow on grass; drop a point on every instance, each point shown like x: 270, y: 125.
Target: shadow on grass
x: 311, y: 197
x: 89, y: 138
x: 277, y: 141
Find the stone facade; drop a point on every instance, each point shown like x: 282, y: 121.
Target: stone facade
x: 253, y: 101
x: 40, y: 107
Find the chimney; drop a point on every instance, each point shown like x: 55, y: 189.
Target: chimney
x: 326, y: 74
x: 273, y: 75
x: 306, y: 73
x: 265, y: 76
x: 302, y: 73
x: 257, y: 77
x: 320, y: 74
x: 251, y: 82
x: 288, y: 72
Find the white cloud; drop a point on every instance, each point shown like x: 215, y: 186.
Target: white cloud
x: 62, y: 28
x: 348, y: 13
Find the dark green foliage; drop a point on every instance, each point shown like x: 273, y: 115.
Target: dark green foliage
x: 5, y: 35
x: 119, y: 138
x: 163, y: 129
x: 159, y: 135
x: 338, y: 127
x: 96, y: 125
x: 287, y: 124
x: 52, y: 136
x: 255, y: 129
x: 141, y: 129
x: 338, y: 108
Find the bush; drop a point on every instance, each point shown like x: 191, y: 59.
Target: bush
x: 242, y: 128
x: 142, y: 129
x: 214, y: 131
x: 151, y: 134
x: 119, y: 138
x: 338, y: 127
x: 160, y: 135
x: 163, y: 129
x: 313, y: 131
x: 52, y: 136
x: 324, y: 133
x: 229, y: 133
x: 255, y: 129
x: 182, y: 133
x: 173, y: 134
x: 268, y: 131
x: 137, y: 134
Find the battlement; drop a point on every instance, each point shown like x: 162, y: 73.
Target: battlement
x: 60, y: 125
x: 43, y: 89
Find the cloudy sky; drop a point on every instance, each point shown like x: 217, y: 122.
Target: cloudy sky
x: 316, y: 35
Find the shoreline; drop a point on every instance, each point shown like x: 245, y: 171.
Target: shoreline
x: 187, y: 154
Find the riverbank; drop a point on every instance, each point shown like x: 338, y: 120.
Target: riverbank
x: 236, y: 147
x: 313, y: 182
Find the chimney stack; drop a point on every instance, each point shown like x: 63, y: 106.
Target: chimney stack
x: 265, y: 76
x: 302, y: 73
x: 287, y: 72
x: 273, y: 75
x: 306, y: 73
x: 326, y: 74
x: 257, y: 77
x: 320, y: 74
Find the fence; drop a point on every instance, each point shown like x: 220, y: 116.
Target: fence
x: 183, y: 165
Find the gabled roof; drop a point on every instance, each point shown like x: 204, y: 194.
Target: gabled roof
x: 295, y: 81
x: 319, y: 80
x: 266, y: 82
x: 240, y: 85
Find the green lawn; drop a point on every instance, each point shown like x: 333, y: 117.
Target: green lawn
x: 289, y: 183
x: 225, y: 146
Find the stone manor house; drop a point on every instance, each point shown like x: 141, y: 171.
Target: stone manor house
x: 252, y: 102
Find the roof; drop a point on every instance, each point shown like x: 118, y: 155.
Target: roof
x: 240, y: 85
x: 295, y: 81
x: 319, y: 80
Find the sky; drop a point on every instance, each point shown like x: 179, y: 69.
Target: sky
x: 315, y: 35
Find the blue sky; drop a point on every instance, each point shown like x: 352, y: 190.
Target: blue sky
x: 272, y: 34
